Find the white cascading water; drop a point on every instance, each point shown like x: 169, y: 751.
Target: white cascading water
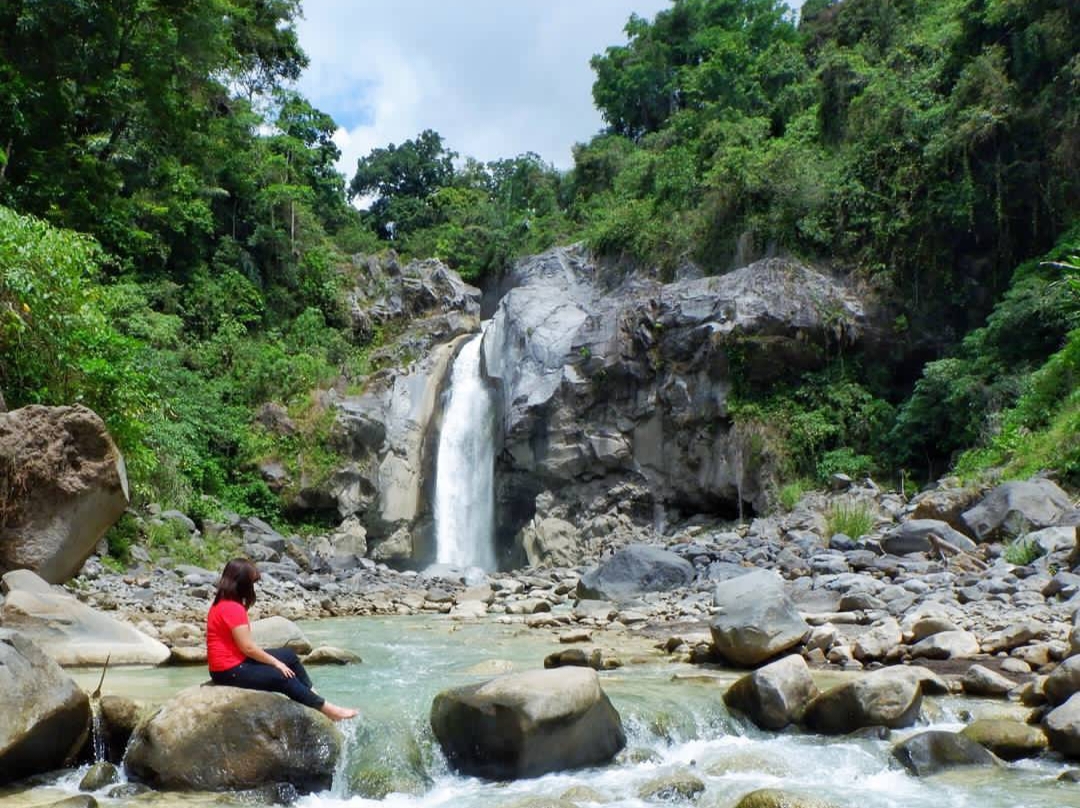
x: 465, y: 468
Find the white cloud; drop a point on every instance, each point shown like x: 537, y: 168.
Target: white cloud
x: 495, y: 78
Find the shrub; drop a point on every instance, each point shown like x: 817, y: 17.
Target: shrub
x: 1022, y: 551
x: 852, y: 519
x: 791, y: 493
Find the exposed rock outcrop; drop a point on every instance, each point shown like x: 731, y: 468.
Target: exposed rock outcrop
x: 44, y: 716
x: 607, y: 375
x: 528, y: 724
x: 62, y: 485
x: 225, y: 738
x: 384, y: 431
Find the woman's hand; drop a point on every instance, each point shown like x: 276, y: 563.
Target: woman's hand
x: 248, y: 647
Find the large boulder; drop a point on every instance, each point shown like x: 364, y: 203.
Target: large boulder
x: 1015, y: 508
x: 775, y: 695
x: 935, y: 751
x: 44, y: 716
x: 68, y: 630
x: 226, y: 738
x: 755, y: 619
x: 527, y: 724
x: 63, y: 485
x: 889, y: 697
x: 633, y: 570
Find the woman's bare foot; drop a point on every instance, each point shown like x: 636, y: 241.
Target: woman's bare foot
x: 335, y: 713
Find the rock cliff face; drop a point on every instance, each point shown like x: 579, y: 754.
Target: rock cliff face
x: 606, y: 378
x: 613, y: 392
x: 386, y: 430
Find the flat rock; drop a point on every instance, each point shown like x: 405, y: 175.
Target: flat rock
x: 73, y: 633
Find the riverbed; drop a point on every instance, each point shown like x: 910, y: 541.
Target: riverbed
x: 673, y: 713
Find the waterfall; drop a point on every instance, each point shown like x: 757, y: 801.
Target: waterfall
x: 465, y: 467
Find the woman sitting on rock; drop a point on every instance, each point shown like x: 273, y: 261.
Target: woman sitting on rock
x: 237, y: 661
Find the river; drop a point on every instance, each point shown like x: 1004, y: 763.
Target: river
x: 673, y: 713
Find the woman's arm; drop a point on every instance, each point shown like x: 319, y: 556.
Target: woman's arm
x: 246, y: 643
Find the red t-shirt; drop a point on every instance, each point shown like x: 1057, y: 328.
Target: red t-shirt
x: 222, y: 652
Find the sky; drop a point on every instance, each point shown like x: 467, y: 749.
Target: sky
x: 495, y: 78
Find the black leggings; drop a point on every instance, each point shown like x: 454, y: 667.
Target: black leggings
x: 258, y: 676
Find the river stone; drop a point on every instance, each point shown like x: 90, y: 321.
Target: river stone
x: 681, y: 786
x: 44, y: 716
x: 527, y: 724
x: 633, y: 570
x: 1016, y: 508
x: 71, y: 487
x: 1063, y: 681
x: 71, y: 632
x: 755, y: 619
x: 775, y: 798
x: 947, y: 645
x: 775, y: 695
x: 1009, y: 740
x: 550, y: 542
x: 914, y: 537
x: 887, y: 697
x: 329, y: 655
x: 280, y: 632
x: 935, y: 751
x: 981, y: 681
x: 226, y: 738
x: 98, y: 776
x: 1062, y: 725
x: 878, y: 641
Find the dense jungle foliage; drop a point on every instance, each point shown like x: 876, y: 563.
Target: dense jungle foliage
x: 175, y: 237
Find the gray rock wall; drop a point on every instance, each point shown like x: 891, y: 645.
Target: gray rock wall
x: 603, y: 376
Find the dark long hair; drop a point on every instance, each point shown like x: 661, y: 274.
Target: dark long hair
x: 238, y: 582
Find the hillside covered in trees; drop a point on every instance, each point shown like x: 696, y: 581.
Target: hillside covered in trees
x: 175, y: 239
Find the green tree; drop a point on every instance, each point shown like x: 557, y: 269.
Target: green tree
x: 402, y: 180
